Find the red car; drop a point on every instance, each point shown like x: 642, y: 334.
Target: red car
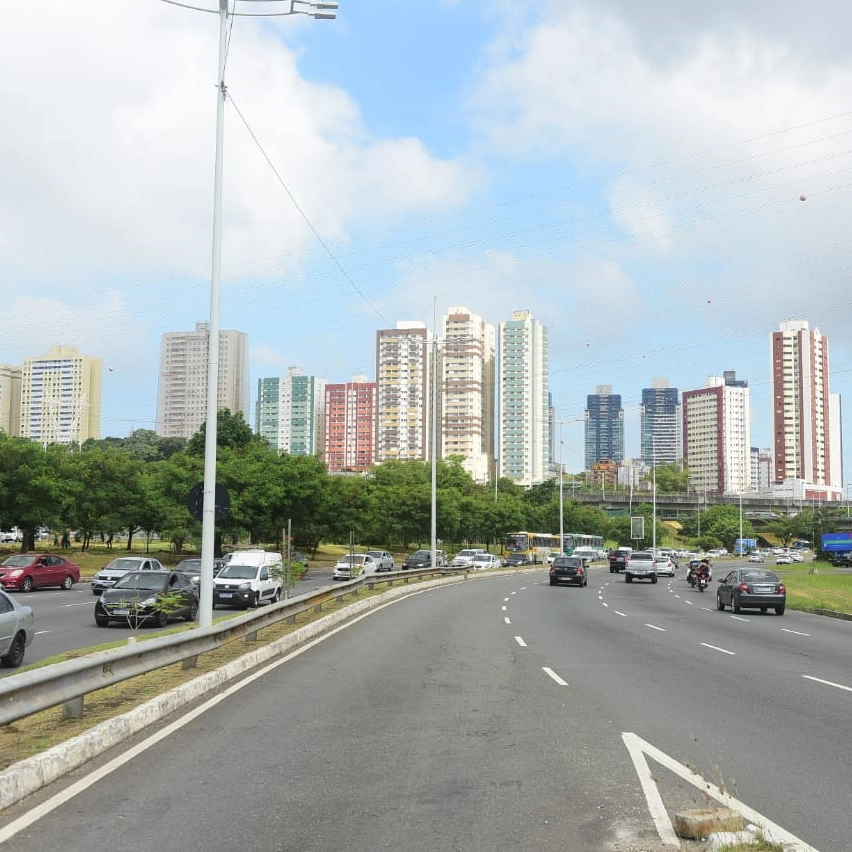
x: 27, y: 571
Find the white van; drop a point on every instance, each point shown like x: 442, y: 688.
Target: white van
x: 587, y: 554
x: 250, y: 578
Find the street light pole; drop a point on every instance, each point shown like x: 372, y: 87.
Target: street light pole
x: 319, y: 10
x: 561, y: 503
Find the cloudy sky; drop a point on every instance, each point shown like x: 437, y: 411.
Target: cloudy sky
x: 631, y: 173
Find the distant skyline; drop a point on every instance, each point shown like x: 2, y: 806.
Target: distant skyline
x: 485, y: 154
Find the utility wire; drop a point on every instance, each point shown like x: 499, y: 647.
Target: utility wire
x: 304, y: 216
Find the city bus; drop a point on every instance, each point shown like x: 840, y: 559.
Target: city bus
x: 571, y: 541
x: 536, y: 545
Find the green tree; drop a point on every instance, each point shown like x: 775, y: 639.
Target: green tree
x: 231, y: 431
x: 671, y: 478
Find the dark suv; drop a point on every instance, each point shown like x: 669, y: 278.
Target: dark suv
x: 618, y: 559
x: 423, y: 559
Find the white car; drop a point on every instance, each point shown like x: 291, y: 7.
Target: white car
x: 464, y: 557
x: 664, y: 566
x: 783, y: 559
x: 108, y: 576
x: 484, y: 561
x: 17, y: 628
x: 755, y: 557
x: 353, y: 565
x: 383, y: 559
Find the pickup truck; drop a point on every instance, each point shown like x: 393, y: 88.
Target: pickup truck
x: 640, y: 566
x: 618, y: 559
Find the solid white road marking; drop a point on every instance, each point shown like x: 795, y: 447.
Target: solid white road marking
x: 520, y: 642
x: 797, y: 632
x: 828, y: 683
x: 552, y: 674
x: 716, y: 648
x: 639, y: 749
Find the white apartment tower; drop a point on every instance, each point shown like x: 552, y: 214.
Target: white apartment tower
x: 524, y: 400
x: 403, y: 381
x: 717, y: 436
x: 61, y: 397
x: 467, y: 392
x: 805, y: 415
x: 182, y: 387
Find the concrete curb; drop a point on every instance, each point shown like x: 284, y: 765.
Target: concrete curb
x: 30, y: 775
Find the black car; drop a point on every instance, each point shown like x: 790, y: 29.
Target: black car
x: 423, y: 559
x: 191, y: 566
x: 568, y: 569
x: 141, y: 596
x: 518, y: 559
x: 751, y: 588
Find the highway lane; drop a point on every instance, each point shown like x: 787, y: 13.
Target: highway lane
x: 488, y: 716
x: 65, y: 620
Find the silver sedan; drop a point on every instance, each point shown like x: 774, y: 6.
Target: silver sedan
x: 17, y: 627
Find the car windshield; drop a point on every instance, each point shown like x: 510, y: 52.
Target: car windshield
x: 567, y: 562
x: 189, y: 565
x: 238, y: 572
x: 123, y: 564
x: 640, y: 555
x: 144, y: 580
x: 18, y: 561
x: 376, y: 553
x: 357, y: 559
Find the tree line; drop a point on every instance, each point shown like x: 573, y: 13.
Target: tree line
x: 139, y: 485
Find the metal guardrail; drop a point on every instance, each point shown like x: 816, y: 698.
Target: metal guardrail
x: 68, y: 683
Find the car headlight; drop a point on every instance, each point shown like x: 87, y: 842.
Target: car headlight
x: 16, y: 573
x: 245, y: 585
x: 148, y: 601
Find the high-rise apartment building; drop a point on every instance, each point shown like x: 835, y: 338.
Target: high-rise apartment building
x: 604, y: 426
x: 762, y: 472
x: 350, y: 421
x: 660, y: 424
x: 182, y: 388
x: 61, y: 397
x: 524, y: 400
x: 10, y: 400
x: 805, y: 415
x: 289, y: 412
x: 403, y: 382
x: 467, y: 392
x: 717, y: 436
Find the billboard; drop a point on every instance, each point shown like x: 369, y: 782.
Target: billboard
x: 837, y: 541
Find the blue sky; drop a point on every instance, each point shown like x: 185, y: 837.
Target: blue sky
x: 629, y: 172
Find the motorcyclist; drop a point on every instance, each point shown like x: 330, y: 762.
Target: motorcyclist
x: 703, y: 570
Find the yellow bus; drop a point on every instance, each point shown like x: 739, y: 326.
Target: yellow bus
x: 536, y: 545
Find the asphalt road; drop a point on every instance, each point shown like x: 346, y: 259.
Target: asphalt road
x: 65, y: 620
x: 490, y: 715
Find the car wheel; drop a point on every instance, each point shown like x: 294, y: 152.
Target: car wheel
x: 553, y: 582
x: 96, y: 593
x: 255, y: 601
x: 16, y: 652
x: 763, y: 609
x: 27, y: 585
x: 735, y: 604
x: 101, y: 620
x: 192, y: 615
x: 653, y: 579
x: 162, y: 618
x: 68, y: 582
x: 628, y: 578
x: 585, y: 581
x: 612, y: 570
x: 779, y: 610
x: 719, y: 604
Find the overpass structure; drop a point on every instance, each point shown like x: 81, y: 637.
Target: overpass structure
x: 759, y: 507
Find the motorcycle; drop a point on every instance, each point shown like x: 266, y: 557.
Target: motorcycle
x: 702, y: 582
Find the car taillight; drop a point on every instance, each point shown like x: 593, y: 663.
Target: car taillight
x: 580, y: 570
x: 743, y: 587
x: 782, y: 589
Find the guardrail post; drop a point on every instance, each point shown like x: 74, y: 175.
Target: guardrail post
x: 190, y: 662
x: 73, y: 709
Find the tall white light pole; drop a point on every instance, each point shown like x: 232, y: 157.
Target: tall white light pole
x: 322, y: 11
x: 561, y: 500
x: 742, y: 545
x: 434, y: 538
x: 654, y: 497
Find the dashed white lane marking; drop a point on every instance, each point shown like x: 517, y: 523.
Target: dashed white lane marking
x: 507, y: 600
x: 622, y: 614
x: 717, y: 648
x: 828, y: 683
x: 507, y: 620
x: 797, y: 632
x: 739, y: 618
x: 553, y: 676
x: 654, y: 627
x: 520, y: 641
x: 504, y: 608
